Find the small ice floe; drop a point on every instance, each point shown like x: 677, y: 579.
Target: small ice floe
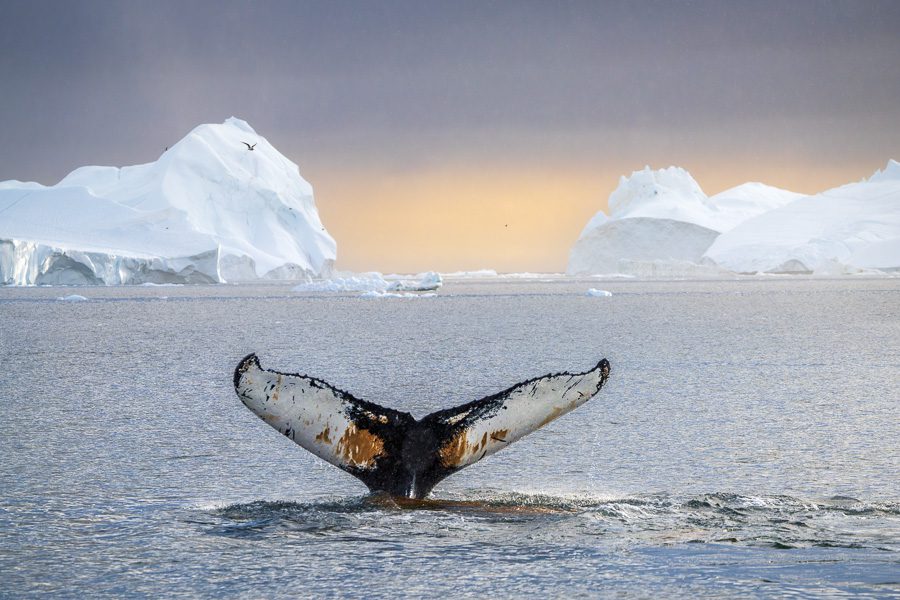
x: 426, y: 282
x: 373, y: 282
x: 349, y: 282
x: 72, y: 298
x: 151, y: 284
x: 598, y: 293
x: 376, y: 294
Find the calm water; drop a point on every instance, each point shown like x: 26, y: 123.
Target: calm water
x: 747, y: 443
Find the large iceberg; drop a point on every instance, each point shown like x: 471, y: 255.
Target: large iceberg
x: 209, y: 210
x: 847, y: 229
x: 661, y: 223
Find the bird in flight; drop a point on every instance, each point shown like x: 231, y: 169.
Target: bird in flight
x: 249, y: 147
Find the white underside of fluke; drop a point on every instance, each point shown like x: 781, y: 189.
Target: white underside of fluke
x: 522, y: 409
x: 310, y: 414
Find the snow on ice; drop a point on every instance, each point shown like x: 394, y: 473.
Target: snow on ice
x: 661, y: 224
x: 208, y: 210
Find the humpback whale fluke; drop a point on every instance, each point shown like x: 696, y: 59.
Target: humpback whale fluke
x: 392, y: 452
x: 249, y: 147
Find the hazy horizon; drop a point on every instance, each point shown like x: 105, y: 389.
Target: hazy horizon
x: 462, y: 136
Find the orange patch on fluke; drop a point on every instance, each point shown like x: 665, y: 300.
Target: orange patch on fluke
x: 277, y: 390
x: 500, y: 435
x: 553, y: 414
x: 323, y: 437
x: 452, y: 452
x: 360, y: 447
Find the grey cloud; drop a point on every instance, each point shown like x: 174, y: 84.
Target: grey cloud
x: 114, y: 82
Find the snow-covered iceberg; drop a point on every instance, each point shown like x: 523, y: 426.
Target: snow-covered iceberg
x: 662, y: 224
x: 847, y: 229
x: 209, y: 210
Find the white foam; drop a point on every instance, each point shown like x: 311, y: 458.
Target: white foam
x: 376, y: 294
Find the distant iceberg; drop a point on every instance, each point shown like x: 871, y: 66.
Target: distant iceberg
x: 208, y: 210
x: 661, y: 224
x: 848, y: 229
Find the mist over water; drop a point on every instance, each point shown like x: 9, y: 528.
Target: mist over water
x: 745, y: 444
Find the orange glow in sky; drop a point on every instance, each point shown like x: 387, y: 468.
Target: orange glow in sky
x: 502, y: 218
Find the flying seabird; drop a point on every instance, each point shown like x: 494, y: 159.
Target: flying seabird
x: 249, y: 147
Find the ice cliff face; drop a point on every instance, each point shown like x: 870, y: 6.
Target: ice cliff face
x: 208, y: 210
x: 661, y: 223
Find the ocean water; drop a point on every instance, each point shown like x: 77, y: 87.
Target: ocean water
x: 746, y: 445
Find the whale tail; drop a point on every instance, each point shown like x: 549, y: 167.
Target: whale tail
x: 389, y: 450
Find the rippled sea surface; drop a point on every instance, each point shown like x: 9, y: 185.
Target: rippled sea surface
x: 747, y: 443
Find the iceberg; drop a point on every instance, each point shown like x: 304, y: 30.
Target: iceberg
x: 209, y: 210
x: 661, y: 224
x: 848, y: 229
x: 622, y: 246
x: 426, y: 282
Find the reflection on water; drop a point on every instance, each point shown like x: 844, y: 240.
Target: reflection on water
x: 745, y: 444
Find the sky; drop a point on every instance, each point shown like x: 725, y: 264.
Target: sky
x: 461, y: 135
